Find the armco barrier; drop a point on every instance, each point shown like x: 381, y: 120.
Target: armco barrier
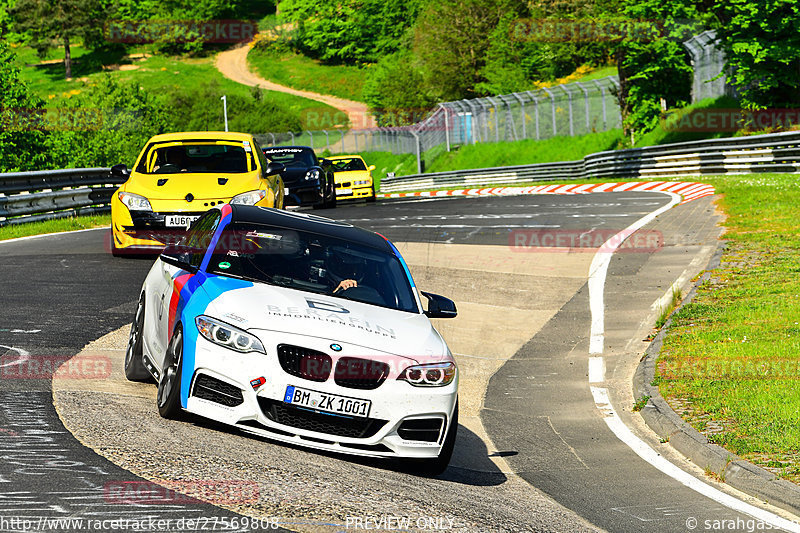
x: 777, y: 152
x: 48, y: 194
x: 32, y: 196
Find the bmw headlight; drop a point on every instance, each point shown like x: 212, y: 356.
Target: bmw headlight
x: 435, y: 375
x: 249, y: 198
x: 228, y: 336
x: 134, y: 202
x: 312, y: 174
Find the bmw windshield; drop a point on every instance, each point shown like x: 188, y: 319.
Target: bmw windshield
x: 315, y: 263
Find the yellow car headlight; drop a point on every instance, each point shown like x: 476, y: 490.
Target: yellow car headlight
x: 134, y: 202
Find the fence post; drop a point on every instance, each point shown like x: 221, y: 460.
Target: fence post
x: 535, y: 110
x: 496, y: 120
x: 552, y: 108
x: 586, y: 102
x: 418, y: 150
x: 327, y: 140
x: 446, y: 127
x: 603, y: 101
x: 310, y: 139
x: 341, y: 132
x: 522, y: 108
x: 273, y: 138
x: 292, y: 134
x: 571, y: 121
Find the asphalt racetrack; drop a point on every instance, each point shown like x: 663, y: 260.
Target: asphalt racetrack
x: 535, y: 451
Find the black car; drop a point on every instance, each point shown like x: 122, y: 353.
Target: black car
x: 308, y: 181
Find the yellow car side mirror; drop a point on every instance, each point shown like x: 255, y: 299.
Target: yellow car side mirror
x: 371, y: 168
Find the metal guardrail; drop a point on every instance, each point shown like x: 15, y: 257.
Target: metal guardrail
x: 776, y: 152
x: 34, y: 196
x: 50, y: 194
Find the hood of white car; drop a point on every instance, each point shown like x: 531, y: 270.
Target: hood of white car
x: 337, y: 320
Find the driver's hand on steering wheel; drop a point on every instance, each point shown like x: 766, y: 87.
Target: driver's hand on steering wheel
x: 346, y: 284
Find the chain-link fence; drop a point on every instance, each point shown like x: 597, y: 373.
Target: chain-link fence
x: 708, y: 63
x: 570, y: 109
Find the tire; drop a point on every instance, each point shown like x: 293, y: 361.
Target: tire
x: 437, y: 465
x: 169, y: 386
x: 134, y: 362
x: 372, y: 199
x: 332, y: 203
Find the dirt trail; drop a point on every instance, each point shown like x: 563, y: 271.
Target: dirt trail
x: 233, y: 65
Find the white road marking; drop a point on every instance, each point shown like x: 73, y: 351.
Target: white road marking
x: 597, y: 277
x: 597, y: 370
x: 618, y: 427
x: 31, y: 237
x: 23, y: 356
x: 599, y: 269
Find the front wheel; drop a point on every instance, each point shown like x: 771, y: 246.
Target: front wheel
x: 169, y: 386
x: 371, y: 199
x: 134, y: 362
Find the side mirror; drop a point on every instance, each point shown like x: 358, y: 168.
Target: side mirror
x: 371, y: 168
x: 439, y: 306
x: 178, y: 255
x: 120, y: 171
x: 275, y: 168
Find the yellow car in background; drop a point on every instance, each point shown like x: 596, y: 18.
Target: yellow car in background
x: 179, y: 176
x: 353, y: 177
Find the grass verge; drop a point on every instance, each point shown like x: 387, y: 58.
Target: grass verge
x: 54, y: 226
x: 731, y: 360
x: 300, y: 72
x: 157, y: 74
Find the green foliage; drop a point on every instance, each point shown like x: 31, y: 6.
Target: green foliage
x: 199, y: 109
x: 452, y: 55
x: 21, y: 135
x: 109, y: 124
x: 654, y: 64
x: 51, y: 23
x: 349, y: 31
x: 396, y: 91
x: 763, y: 48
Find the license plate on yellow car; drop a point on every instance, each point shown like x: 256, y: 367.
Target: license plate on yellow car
x: 180, y: 221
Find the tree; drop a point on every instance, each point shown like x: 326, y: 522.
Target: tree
x: 396, y: 92
x: 52, y: 22
x: 21, y: 135
x: 349, y: 31
x: 451, y: 38
x: 762, y: 42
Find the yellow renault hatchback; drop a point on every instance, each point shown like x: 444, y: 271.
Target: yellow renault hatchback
x: 180, y: 176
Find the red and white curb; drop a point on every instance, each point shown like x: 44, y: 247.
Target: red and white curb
x: 688, y: 190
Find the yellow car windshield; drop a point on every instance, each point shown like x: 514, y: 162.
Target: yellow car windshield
x: 347, y: 165
x: 197, y: 157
